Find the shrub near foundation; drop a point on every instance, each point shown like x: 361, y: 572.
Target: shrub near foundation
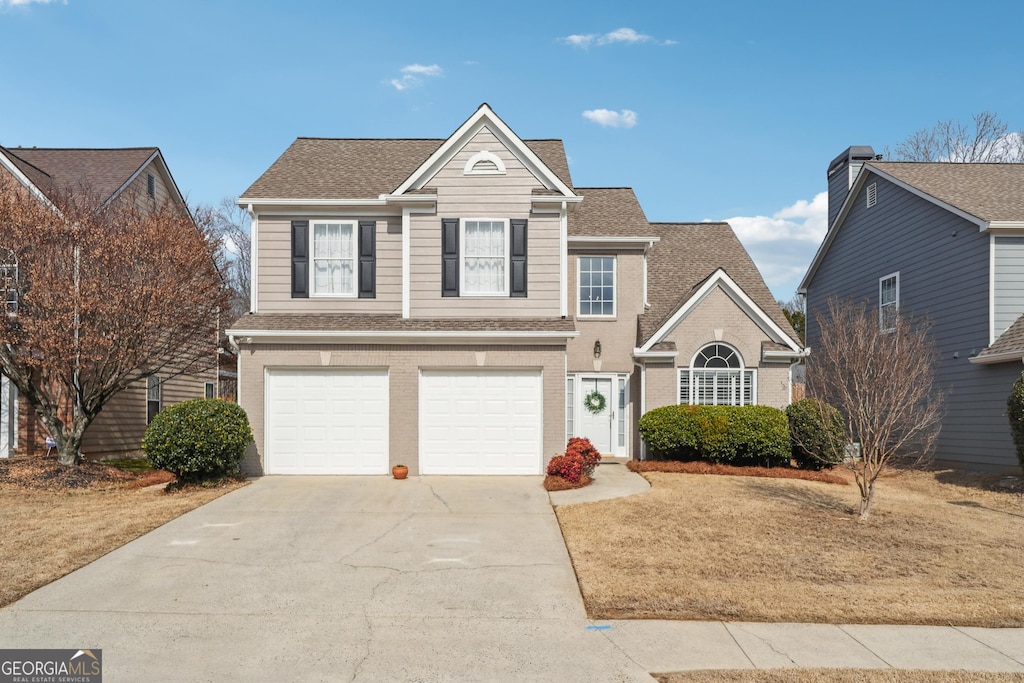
x: 735, y: 435
x: 818, y: 434
x: 198, y: 440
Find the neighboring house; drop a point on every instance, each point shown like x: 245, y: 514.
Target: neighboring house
x: 452, y: 304
x: 112, y: 174
x: 946, y: 241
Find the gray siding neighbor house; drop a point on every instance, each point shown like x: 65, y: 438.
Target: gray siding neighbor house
x: 946, y: 241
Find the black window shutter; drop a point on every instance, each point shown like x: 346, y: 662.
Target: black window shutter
x: 449, y: 257
x: 367, y: 259
x: 518, y: 257
x: 300, y: 259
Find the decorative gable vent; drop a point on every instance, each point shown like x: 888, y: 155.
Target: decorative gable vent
x: 872, y: 194
x: 484, y: 163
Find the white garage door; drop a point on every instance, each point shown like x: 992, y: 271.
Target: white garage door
x: 477, y: 422
x: 327, y: 422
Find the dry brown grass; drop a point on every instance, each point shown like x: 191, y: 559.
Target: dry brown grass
x: 47, y: 533
x: 837, y: 676
x: 934, y: 551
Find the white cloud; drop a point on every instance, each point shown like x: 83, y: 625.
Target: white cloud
x: 413, y: 74
x: 619, y: 35
x: 611, y: 119
x: 783, y: 244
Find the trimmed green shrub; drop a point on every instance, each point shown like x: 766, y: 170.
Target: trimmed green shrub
x: 736, y: 435
x: 1015, y: 413
x: 198, y: 440
x: 818, y: 434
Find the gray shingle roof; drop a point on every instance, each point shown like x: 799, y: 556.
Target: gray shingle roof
x: 1010, y: 341
x: 345, y: 168
x: 325, y: 322
x: 992, y: 192
x: 687, y: 255
x: 608, y: 212
x: 103, y: 171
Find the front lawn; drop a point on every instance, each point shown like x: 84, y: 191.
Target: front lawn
x: 55, y: 520
x: 939, y: 548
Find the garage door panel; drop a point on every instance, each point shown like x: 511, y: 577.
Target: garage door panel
x: 481, y: 422
x: 327, y: 421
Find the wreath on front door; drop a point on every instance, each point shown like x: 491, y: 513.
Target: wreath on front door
x: 594, y: 402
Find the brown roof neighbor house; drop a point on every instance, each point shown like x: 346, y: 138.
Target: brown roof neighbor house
x: 945, y: 241
x: 137, y: 174
x: 458, y: 305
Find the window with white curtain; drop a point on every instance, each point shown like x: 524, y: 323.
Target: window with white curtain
x: 484, y: 257
x: 334, y: 265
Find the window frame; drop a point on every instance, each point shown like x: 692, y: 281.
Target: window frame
x: 895, y: 303
x: 209, y: 390
x: 10, y: 293
x: 742, y: 372
x: 615, y: 287
x: 354, y: 258
x: 154, y: 383
x: 506, y: 257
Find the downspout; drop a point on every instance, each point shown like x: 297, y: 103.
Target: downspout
x: 643, y: 403
x: 238, y: 368
x: 253, y: 257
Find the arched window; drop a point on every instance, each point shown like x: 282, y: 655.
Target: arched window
x: 717, y: 377
x: 484, y: 163
x: 8, y: 281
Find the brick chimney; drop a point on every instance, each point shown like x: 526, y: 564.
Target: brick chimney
x: 842, y: 172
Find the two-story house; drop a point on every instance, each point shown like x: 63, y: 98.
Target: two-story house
x: 126, y: 174
x: 946, y: 241
x: 459, y: 306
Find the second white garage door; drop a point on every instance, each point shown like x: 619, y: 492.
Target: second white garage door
x: 481, y: 422
x: 327, y: 421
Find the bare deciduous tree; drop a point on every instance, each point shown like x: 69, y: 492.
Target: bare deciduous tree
x: 107, y: 294
x: 987, y: 139
x: 229, y: 224
x: 883, y: 382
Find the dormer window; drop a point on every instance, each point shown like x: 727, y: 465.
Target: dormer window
x: 484, y: 163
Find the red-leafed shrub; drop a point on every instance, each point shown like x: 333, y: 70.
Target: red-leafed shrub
x: 587, y: 453
x: 568, y: 467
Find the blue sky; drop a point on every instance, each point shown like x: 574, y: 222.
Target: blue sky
x: 721, y: 111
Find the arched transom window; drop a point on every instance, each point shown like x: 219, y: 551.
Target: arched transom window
x: 717, y: 377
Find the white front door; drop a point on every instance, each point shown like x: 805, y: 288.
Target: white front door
x: 595, y: 421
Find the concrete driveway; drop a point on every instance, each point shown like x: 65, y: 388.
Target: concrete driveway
x: 340, y: 579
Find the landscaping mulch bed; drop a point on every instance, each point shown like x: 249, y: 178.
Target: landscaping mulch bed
x: 555, y: 483
x: 44, y: 473
x: 700, y: 467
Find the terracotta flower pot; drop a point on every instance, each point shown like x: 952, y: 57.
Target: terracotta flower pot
x: 400, y: 471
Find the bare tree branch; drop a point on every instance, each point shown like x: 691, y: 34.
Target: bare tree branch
x: 988, y: 139
x: 883, y: 382
x: 107, y: 295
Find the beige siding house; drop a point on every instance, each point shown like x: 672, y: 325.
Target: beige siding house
x: 454, y: 305
x: 130, y: 174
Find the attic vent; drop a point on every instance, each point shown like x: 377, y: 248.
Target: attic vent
x: 151, y: 185
x: 484, y: 163
x: 872, y: 194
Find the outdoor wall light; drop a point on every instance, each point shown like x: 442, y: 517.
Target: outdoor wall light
x: 597, y: 349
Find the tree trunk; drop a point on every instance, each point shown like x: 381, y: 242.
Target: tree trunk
x: 67, y: 452
x: 866, y: 500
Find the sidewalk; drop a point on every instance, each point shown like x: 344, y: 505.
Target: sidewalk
x: 663, y: 646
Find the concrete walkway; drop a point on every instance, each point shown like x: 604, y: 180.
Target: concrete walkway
x: 430, y: 579
x: 662, y: 646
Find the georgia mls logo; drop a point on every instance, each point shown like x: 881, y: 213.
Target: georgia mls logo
x: 51, y: 666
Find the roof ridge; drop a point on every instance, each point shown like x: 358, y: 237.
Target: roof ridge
x: 85, y: 149
x: 605, y: 187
